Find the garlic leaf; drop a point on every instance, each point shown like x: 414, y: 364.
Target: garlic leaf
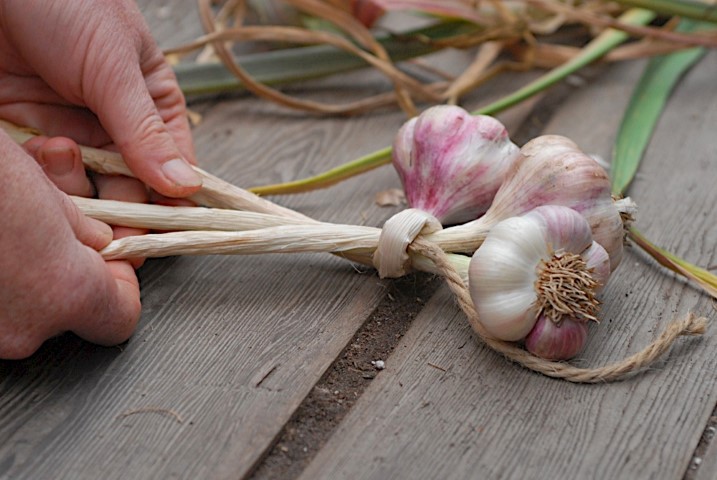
x: 647, y: 102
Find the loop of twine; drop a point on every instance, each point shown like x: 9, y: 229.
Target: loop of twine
x: 690, y: 325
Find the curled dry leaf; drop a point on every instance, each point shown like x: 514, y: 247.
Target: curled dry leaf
x: 393, y: 197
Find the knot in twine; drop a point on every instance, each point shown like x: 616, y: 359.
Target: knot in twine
x: 401, y: 236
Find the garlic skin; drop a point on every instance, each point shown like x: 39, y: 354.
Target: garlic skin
x: 557, y: 341
x: 550, y: 170
x: 451, y: 163
x: 598, y: 260
x: 508, y: 274
x: 563, y: 337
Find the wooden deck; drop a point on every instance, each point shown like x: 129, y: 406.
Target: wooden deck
x: 235, y: 358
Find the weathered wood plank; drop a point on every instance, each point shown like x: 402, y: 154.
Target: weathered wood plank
x: 446, y: 407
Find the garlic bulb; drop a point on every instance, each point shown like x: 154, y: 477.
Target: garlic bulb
x: 550, y: 170
x: 451, y: 163
x: 541, y: 264
x: 553, y: 341
x: 553, y: 170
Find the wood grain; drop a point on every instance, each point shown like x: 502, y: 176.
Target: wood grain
x: 446, y: 407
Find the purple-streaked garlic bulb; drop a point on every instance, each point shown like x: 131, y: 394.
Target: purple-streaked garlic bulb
x: 541, y: 266
x: 451, y: 163
x: 552, y: 170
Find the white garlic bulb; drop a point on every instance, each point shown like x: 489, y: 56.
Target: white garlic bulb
x: 542, y: 263
x: 451, y: 163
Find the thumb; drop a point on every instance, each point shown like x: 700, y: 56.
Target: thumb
x: 129, y: 114
x: 114, y: 309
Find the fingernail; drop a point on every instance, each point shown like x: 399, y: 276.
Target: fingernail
x: 58, y: 161
x: 180, y: 173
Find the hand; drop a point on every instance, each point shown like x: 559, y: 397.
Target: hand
x: 90, y: 71
x: 53, y: 280
x: 61, y: 160
x: 97, y: 55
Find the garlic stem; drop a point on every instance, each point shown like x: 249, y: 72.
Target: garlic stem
x: 160, y: 217
x: 355, y: 242
x: 462, y: 238
x: 281, y: 239
x: 459, y: 262
x: 466, y: 238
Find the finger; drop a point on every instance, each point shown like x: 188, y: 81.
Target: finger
x: 158, y: 199
x: 61, y: 160
x: 30, y: 89
x: 116, y: 305
x: 127, y: 190
x: 56, y: 120
x: 139, y: 131
x: 33, y: 145
x: 90, y: 232
x: 122, y: 232
x: 120, y: 188
x: 162, y: 86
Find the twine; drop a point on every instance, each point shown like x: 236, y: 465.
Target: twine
x: 690, y: 325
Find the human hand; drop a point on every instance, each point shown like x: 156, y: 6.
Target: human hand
x: 53, y: 280
x: 90, y: 70
x: 61, y: 160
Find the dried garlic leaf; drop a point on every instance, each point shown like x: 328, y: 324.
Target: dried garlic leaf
x: 393, y: 197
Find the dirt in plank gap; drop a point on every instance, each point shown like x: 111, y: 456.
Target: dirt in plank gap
x: 708, y: 436
x: 347, y: 378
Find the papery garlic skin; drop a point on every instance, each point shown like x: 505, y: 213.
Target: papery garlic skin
x: 550, y: 170
x: 502, y: 275
x: 451, y: 163
x: 504, y: 272
x: 598, y: 261
x: 553, y: 341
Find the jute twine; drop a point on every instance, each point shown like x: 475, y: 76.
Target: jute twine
x: 690, y: 325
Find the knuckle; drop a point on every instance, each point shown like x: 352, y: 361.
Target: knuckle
x: 15, y: 347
